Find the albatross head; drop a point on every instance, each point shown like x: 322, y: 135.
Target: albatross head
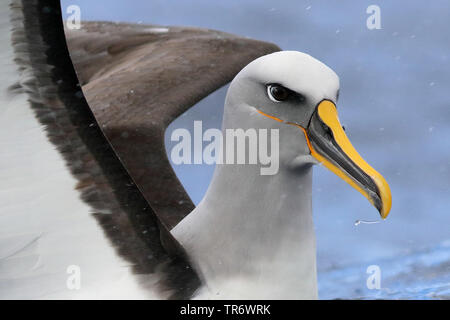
x: 295, y: 89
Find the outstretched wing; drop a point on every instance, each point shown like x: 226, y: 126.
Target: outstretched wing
x: 108, y: 123
x: 138, y: 78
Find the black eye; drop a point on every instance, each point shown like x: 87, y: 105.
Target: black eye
x: 277, y: 92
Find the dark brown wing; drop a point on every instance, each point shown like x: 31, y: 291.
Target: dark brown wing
x: 135, y: 88
x: 56, y: 97
x: 138, y: 78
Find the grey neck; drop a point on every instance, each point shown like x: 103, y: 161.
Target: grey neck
x: 252, y: 236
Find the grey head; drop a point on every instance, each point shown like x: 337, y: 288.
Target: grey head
x: 294, y: 89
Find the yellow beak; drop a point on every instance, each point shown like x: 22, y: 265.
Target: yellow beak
x: 329, y: 144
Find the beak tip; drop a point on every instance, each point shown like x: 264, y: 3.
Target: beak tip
x: 384, y: 212
x: 386, y: 200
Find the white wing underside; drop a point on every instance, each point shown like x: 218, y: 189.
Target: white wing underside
x: 44, y: 226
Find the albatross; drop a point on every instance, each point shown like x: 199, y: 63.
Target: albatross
x: 252, y: 235
x: 105, y: 95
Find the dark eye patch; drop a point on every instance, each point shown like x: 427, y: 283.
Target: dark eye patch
x: 279, y: 93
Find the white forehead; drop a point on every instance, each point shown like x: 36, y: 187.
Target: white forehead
x: 297, y: 71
